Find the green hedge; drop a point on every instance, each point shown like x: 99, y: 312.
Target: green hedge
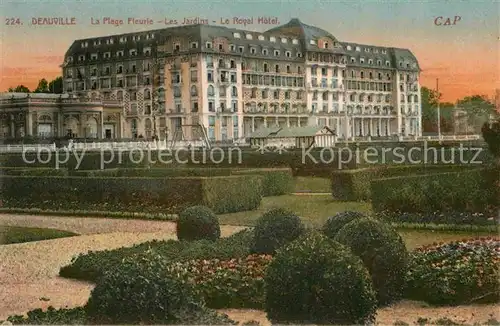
x: 167, y: 195
x: 155, y: 172
x: 275, y: 182
x: 473, y: 191
x: 354, y: 185
x: 24, y: 171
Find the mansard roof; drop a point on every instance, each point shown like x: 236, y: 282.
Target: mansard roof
x: 294, y: 36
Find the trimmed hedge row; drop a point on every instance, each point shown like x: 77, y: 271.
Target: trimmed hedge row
x: 169, y: 195
x: 473, y: 191
x: 275, y: 182
x: 354, y: 185
x: 23, y: 171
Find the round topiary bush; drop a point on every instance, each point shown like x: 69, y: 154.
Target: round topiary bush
x: 383, y: 252
x: 337, y: 222
x: 198, y: 223
x: 142, y: 292
x: 314, y: 280
x: 274, y: 229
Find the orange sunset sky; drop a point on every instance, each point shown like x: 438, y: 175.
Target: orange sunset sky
x: 465, y: 56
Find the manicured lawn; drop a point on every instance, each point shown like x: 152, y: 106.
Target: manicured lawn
x: 312, y: 184
x: 315, y: 209
x: 15, y: 234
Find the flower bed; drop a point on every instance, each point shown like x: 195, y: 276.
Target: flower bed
x: 454, y: 273
x: 234, y: 283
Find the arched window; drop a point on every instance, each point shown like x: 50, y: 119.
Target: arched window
x: 211, y: 90
x: 325, y: 96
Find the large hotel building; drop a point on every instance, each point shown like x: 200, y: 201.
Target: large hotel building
x: 234, y: 81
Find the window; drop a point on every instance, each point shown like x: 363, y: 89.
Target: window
x: 234, y: 91
x: 379, y: 62
x: 261, y: 38
x: 299, y: 70
x: 211, y: 90
x: 249, y: 36
x: 384, y: 51
x: 370, y: 61
x: 208, y: 45
x: 284, y: 40
x: 358, y: 49
x: 288, y: 69
x: 362, y: 60
x: 288, y: 54
x: 236, y: 35
x: 241, y: 49
x: 194, y: 45
x: 266, y: 68
x: 210, y: 76
x: 299, y: 55
x: 312, y: 42
x: 349, y: 48
x: 387, y: 63
x: 272, y: 39
x: 276, y: 53
x: 221, y: 47
x: 93, y: 56
x: 325, y: 45
x: 367, y: 49
x: 276, y: 95
x: 295, y: 41
x: 232, y: 47
x: 277, y: 68
x: 265, y: 52
x: 353, y: 60
x: 194, y: 106
x: 81, y: 58
x: 253, y: 50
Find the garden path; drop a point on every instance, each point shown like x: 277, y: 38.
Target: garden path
x: 29, y: 271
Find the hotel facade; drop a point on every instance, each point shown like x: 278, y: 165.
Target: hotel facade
x: 232, y: 82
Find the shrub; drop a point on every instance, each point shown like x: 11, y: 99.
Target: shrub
x: 52, y: 316
x: 452, y: 218
x: 461, y: 272
x: 198, y: 223
x: 315, y: 280
x: 92, y: 265
x: 336, y: 222
x: 275, y: 182
x: 234, y: 283
x: 468, y: 191
x: 274, y: 229
x: 141, y: 292
x: 354, y: 185
x: 17, y: 234
x: 383, y: 252
x: 222, y: 194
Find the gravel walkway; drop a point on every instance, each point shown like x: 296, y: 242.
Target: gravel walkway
x: 29, y: 271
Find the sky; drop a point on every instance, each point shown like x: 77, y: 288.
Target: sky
x: 464, y: 56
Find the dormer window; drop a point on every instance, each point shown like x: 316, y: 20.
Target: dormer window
x: 147, y: 51
x: 261, y: 38
x: 312, y: 42
x: 379, y: 62
x: 276, y: 53
x: 370, y: 61
x: 349, y: 48
x: 358, y: 49
x: 295, y: 41
x: 119, y: 53
x: 253, y: 50
x: 123, y: 39
x: 387, y: 63
x: 107, y: 55
x: 208, y: 45
x: 232, y: 47
x: 241, y: 49
x: 284, y: 40
x: 96, y: 43
x: 375, y: 50
x: 299, y: 55
x: 407, y: 65
x: 353, y: 60
x: 221, y: 47
x: 249, y: 36
x: 93, y: 56
x: 109, y: 41
x: 265, y: 52
x: 236, y: 35
x: 362, y: 60
x: 325, y: 45
x: 401, y: 64
x: 133, y: 53
x: 367, y: 49
x: 384, y: 51
x: 288, y: 54
x: 177, y: 47
x: 81, y: 58
x: 194, y: 45
x: 272, y: 39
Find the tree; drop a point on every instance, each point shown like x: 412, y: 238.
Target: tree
x: 430, y: 99
x: 478, y: 108
x: 56, y: 86
x: 19, y: 89
x: 43, y: 86
x: 491, y: 135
